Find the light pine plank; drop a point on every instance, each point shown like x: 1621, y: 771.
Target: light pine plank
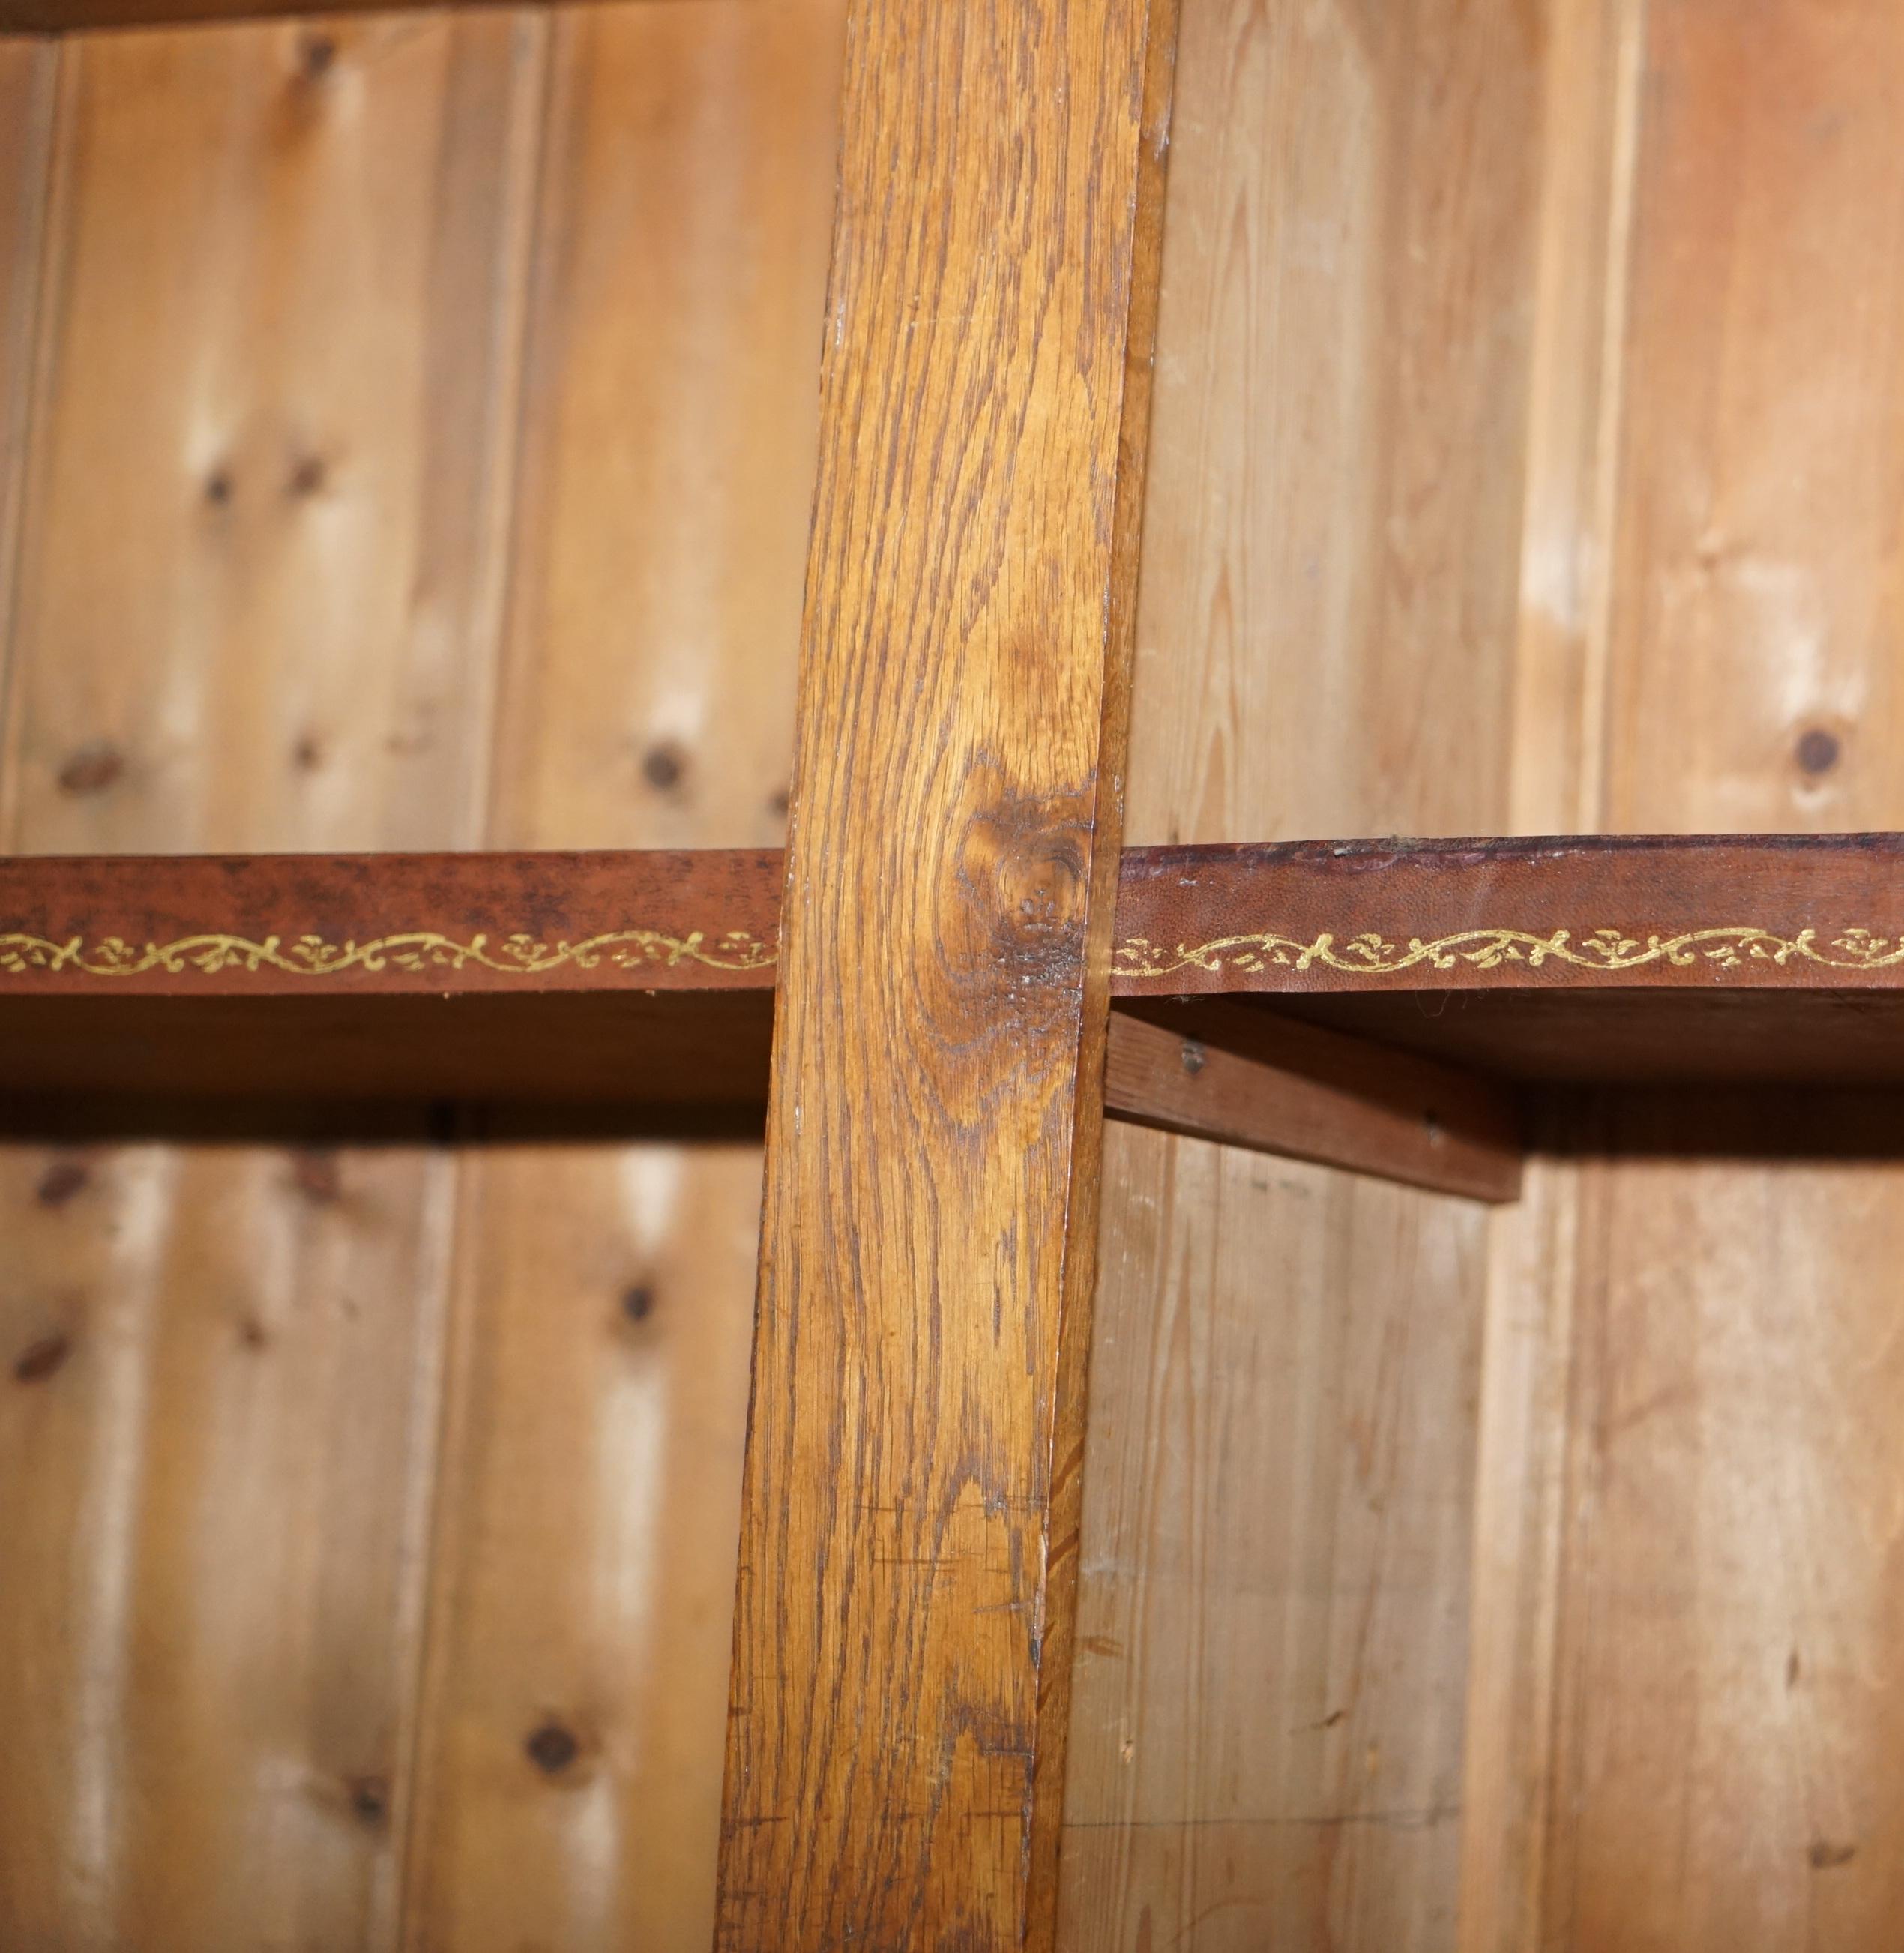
x: 902, y: 1647
x: 1325, y: 635
x: 28, y: 79
x: 1593, y: 69
x: 266, y: 460
x: 583, y: 1572
x: 1269, y: 1689
x: 1725, y: 1735
x: 1757, y: 541
x: 1267, y: 1748
x: 263, y: 492
x: 1729, y: 1714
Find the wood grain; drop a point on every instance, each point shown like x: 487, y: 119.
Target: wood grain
x: 1330, y: 547
x: 1273, y: 1616
x: 1725, y: 1751
x: 263, y: 451
x: 353, y: 448
x: 1729, y: 1626
x: 27, y: 82
x: 583, y: 1579
x: 1247, y: 1078
x: 1327, y: 638
x: 901, y: 1661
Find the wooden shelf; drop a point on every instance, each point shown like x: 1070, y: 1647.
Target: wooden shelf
x: 1761, y: 958
x: 635, y: 978
x: 646, y: 980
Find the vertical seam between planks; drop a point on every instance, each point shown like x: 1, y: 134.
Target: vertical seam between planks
x: 1065, y: 1439
x: 533, y: 171
x: 518, y: 281
x: 457, y: 1179
x: 1591, y: 814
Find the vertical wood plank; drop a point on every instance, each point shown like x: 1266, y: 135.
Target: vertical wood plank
x: 1273, y: 1620
x: 269, y: 448
x: 28, y: 71
x: 1758, y: 536
x: 1593, y: 69
x: 275, y: 338
x: 1725, y: 1736
x: 1267, y: 1741
x: 901, y: 1664
x: 583, y: 1585
x: 1326, y: 642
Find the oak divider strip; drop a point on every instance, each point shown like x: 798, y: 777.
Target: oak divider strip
x: 929, y: 1230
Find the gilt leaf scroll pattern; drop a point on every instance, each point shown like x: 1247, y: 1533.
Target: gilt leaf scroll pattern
x: 1607, y: 951
x: 521, y: 954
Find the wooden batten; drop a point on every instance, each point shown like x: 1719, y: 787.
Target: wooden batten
x: 1247, y: 1078
x: 900, y: 1704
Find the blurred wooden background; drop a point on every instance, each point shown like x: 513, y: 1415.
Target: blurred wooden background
x: 405, y: 430
x: 1526, y: 459
x: 408, y: 423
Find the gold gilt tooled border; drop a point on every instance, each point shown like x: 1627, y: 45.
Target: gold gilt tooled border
x: 1608, y: 952
x: 518, y: 955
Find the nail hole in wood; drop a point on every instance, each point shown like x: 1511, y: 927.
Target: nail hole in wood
x: 1194, y: 1058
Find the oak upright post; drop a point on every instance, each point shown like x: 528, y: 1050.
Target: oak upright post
x: 902, y: 1649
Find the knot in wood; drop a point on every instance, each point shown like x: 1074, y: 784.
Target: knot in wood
x: 1024, y: 869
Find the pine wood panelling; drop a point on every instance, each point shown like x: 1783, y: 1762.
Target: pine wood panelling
x: 1325, y: 636
x: 1725, y: 1769
x: 671, y: 402
x: 1729, y: 1709
x: 266, y: 459
x: 27, y: 80
x: 1756, y: 613
x: 1267, y: 1745
x: 1593, y: 73
x: 1267, y: 1748
x: 902, y: 1648
x: 584, y: 1581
